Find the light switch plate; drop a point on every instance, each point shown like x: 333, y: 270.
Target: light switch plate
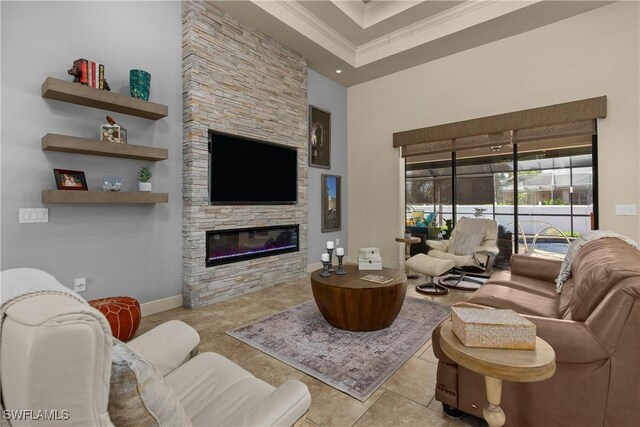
x: 80, y: 284
x: 626, y: 210
x: 31, y: 215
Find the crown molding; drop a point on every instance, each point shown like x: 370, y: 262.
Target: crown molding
x: 433, y: 21
x: 450, y: 21
x: 367, y: 15
x: 457, y: 18
x: 378, y: 11
x: 309, y: 25
x: 354, y: 9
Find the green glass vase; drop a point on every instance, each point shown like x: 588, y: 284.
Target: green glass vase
x: 139, y: 84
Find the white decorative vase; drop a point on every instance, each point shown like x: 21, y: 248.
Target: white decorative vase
x: 144, y: 186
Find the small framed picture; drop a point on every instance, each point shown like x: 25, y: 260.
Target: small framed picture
x: 70, y: 180
x: 331, y: 203
x: 319, y: 138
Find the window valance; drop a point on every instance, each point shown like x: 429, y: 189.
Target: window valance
x: 553, y: 121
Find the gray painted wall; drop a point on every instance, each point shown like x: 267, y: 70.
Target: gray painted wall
x: 331, y: 96
x: 122, y: 249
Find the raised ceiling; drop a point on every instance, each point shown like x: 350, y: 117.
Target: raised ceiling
x: 370, y: 39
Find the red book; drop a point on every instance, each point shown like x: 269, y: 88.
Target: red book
x: 94, y: 75
x: 81, y: 65
x: 89, y: 77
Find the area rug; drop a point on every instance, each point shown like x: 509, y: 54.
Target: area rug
x: 356, y: 363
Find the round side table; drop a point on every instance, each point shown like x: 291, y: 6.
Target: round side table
x: 497, y: 365
x: 408, y: 241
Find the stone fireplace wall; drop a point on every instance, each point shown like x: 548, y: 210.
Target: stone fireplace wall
x: 239, y: 81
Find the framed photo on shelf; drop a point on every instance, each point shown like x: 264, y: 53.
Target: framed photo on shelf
x: 331, y: 203
x: 319, y: 138
x: 70, y: 180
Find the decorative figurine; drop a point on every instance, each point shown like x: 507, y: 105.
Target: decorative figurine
x: 113, y: 132
x: 76, y: 73
x: 139, y: 84
x: 111, y: 183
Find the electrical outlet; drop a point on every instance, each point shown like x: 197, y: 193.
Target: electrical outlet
x: 80, y: 284
x: 337, y: 242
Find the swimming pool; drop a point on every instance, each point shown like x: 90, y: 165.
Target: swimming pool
x: 555, y: 247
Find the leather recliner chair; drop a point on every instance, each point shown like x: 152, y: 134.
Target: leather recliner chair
x: 480, y: 257
x: 593, y: 326
x: 57, y: 353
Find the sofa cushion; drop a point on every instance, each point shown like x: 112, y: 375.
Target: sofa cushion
x: 212, y: 387
x: 576, y: 246
x: 597, y: 267
x: 535, y: 267
x: 459, y: 260
x: 139, y: 395
x: 521, y: 301
x: 564, y: 302
x: 524, y: 283
x: 216, y: 391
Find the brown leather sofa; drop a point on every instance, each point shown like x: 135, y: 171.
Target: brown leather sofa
x: 593, y: 326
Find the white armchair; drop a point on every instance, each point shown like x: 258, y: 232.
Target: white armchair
x: 57, y: 352
x: 472, y: 248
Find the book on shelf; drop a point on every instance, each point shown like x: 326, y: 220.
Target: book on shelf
x: 81, y: 65
x: 90, y: 76
x: 94, y: 75
x: 376, y: 278
x: 90, y: 73
x: 101, y: 76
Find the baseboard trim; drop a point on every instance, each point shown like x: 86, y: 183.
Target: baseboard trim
x: 163, y: 304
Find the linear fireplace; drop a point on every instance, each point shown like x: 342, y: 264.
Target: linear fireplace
x: 227, y: 246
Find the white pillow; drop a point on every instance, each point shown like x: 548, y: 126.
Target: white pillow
x: 464, y: 243
x: 139, y: 395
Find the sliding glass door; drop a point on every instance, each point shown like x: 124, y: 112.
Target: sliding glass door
x: 484, y: 182
x: 555, y: 198
x: 544, y: 196
x: 428, y: 190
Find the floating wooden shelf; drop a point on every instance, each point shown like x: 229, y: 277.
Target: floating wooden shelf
x: 72, y: 144
x: 110, y: 197
x: 76, y: 93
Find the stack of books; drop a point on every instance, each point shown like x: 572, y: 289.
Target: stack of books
x: 90, y: 73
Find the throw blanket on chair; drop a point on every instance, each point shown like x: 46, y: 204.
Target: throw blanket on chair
x: 565, y: 268
x: 20, y: 283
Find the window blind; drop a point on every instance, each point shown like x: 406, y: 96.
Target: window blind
x: 553, y: 121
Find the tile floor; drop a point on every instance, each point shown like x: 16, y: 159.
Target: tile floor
x: 406, y: 398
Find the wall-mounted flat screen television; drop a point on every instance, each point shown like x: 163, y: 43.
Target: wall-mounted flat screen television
x: 244, y: 171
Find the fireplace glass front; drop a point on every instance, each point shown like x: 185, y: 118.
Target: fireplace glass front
x: 227, y: 246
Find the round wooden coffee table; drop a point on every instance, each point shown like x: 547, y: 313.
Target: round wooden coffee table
x: 348, y: 302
